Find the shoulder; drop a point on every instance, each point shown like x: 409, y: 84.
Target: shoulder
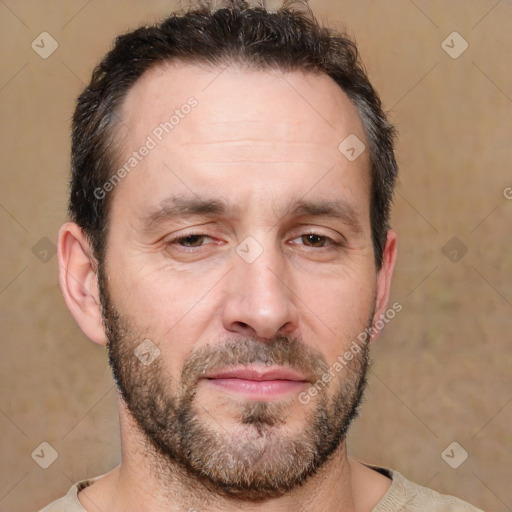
x: 70, y: 502
x: 406, y: 496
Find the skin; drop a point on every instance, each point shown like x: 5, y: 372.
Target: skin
x: 260, y: 141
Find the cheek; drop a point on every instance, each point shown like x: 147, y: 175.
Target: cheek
x: 171, y: 310
x: 155, y: 297
x: 339, y: 309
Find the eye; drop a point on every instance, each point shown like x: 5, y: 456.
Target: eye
x: 314, y: 240
x: 192, y: 240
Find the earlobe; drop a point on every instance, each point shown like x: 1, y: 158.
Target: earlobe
x: 78, y: 281
x: 384, y: 277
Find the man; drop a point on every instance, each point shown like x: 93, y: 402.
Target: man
x: 232, y: 173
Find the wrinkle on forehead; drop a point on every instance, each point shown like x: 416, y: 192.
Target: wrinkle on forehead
x: 292, y: 106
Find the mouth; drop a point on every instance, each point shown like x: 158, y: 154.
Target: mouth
x: 258, y: 383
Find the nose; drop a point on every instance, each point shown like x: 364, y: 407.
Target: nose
x: 259, y: 302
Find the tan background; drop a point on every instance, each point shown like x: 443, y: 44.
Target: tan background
x: 443, y: 369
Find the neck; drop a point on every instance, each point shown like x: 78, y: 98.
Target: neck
x: 330, y: 490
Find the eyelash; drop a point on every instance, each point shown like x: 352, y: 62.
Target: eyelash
x: 331, y: 243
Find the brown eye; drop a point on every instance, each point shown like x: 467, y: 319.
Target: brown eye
x: 313, y: 240
x: 192, y: 240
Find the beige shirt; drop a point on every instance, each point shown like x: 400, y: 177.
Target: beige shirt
x: 402, y: 496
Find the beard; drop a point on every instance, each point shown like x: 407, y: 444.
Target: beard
x: 258, y: 459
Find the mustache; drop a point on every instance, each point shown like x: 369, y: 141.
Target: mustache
x: 280, y: 351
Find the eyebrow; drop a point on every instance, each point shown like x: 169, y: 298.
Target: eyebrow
x: 177, y: 207
x: 338, y: 209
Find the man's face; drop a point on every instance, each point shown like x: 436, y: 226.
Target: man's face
x: 240, y: 246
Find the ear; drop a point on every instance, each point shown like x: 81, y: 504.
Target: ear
x: 78, y: 281
x: 384, y: 276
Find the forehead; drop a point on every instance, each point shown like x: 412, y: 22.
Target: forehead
x: 307, y: 105
x: 239, y: 130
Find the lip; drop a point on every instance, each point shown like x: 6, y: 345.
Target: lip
x: 258, y: 383
x: 256, y: 373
